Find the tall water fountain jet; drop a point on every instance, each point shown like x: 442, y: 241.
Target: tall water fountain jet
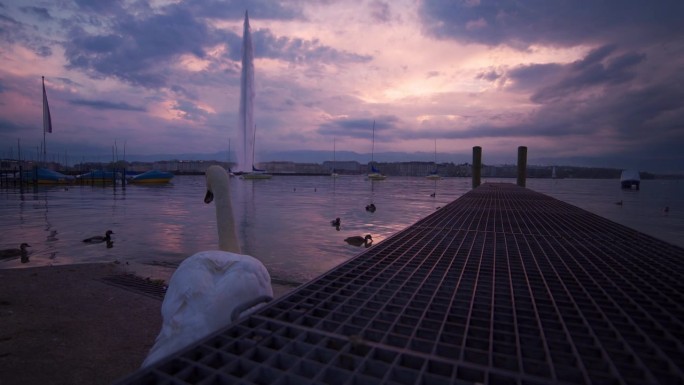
x: 245, y: 150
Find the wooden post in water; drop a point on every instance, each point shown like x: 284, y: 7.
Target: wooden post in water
x: 477, y: 165
x: 522, y: 165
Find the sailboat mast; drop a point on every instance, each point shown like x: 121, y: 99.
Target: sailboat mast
x: 253, y: 146
x: 44, y: 129
x: 373, y: 142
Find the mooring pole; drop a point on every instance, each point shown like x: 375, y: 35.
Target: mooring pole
x: 477, y: 165
x: 522, y: 165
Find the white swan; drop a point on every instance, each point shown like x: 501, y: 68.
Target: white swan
x: 210, y: 289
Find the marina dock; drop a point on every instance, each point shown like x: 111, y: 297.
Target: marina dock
x: 502, y: 286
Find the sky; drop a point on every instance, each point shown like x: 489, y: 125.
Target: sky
x: 585, y: 83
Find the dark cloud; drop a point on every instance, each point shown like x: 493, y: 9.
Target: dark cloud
x: 235, y: 9
x: 139, y: 51
x: 489, y: 75
x: 630, y: 100
x: 300, y: 51
x: 99, y: 6
x: 41, y: 13
x: 598, y: 68
x: 15, y: 32
x: 190, y: 111
x: 380, y: 11
x: 9, y: 128
x: 557, y: 22
x: 184, y: 92
x: 139, y: 48
x: 7, y: 27
x: 106, y: 105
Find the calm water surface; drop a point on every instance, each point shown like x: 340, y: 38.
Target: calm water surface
x: 285, y: 221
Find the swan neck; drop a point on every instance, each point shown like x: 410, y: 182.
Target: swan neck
x: 228, y: 240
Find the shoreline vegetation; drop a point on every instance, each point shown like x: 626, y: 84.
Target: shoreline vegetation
x: 287, y: 168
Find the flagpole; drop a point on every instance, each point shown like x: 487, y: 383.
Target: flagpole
x: 44, y: 99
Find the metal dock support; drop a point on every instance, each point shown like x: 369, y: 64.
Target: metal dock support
x: 502, y: 286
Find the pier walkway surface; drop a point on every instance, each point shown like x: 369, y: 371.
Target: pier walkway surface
x: 502, y: 286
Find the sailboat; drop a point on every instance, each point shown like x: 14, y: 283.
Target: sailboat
x: 375, y: 174
x: 256, y: 173
x: 433, y: 175
x: 334, y: 173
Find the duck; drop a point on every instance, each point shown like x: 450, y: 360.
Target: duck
x: 335, y: 222
x: 11, y: 253
x: 370, y: 207
x: 359, y: 240
x: 210, y: 289
x: 433, y: 194
x: 99, y: 239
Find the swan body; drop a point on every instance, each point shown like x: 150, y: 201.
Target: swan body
x: 202, y: 294
x: 359, y: 240
x: 11, y: 253
x: 99, y: 239
x: 210, y: 289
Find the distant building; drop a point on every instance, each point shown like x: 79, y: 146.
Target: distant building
x: 343, y: 166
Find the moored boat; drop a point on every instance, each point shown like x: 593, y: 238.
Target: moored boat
x: 46, y: 176
x: 375, y: 174
x: 630, y: 179
x: 152, y: 177
x: 256, y: 174
x: 433, y: 175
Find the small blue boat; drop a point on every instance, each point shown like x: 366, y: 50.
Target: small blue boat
x: 152, y: 176
x: 47, y: 176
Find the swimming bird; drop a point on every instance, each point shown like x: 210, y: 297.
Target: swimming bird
x: 335, y: 222
x: 433, y: 194
x: 210, y: 289
x: 11, y: 253
x: 99, y: 238
x: 619, y: 203
x: 359, y: 240
x: 370, y: 207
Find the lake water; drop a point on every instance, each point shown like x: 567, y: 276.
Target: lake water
x: 284, y: 221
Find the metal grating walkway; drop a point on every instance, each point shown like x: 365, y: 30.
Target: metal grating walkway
x: 502, y: 286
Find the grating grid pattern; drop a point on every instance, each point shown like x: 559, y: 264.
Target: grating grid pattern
x: 502, y: 286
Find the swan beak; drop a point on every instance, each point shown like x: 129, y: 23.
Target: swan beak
x: 209, y: 197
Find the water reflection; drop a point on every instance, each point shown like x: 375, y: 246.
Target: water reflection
x: 284, y: 221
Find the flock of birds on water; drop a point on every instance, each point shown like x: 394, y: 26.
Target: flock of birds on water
x: 209, y: 289
x: 23, y: 254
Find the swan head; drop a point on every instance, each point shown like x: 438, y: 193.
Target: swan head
x: 109, y: 232
x: 368, y: 238
x: 216, y: 177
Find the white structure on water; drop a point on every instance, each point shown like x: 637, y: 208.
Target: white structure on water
x: 245, y: 148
